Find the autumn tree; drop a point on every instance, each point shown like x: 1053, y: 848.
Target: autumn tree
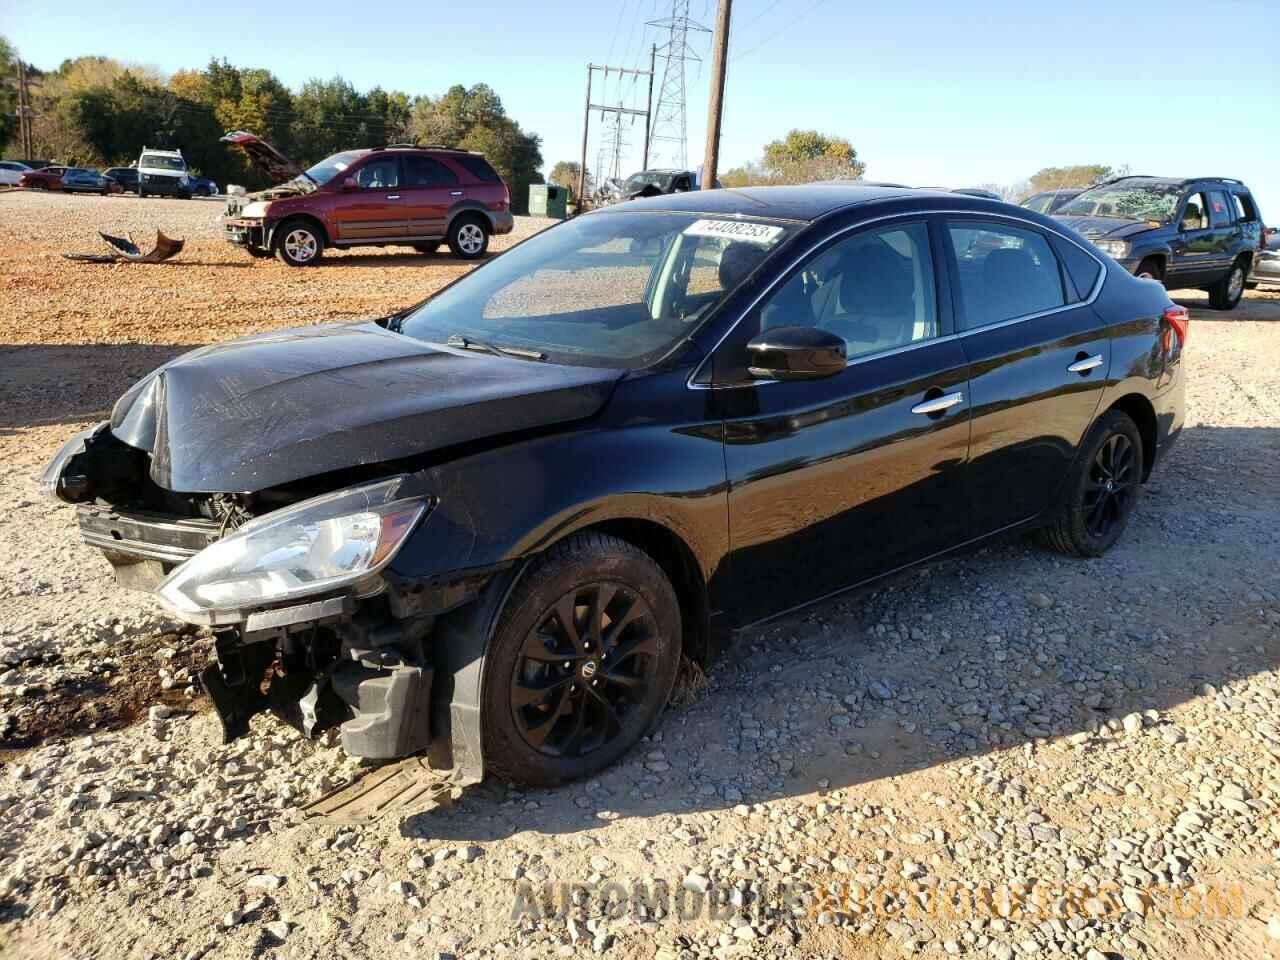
x: 1079, y: 175
x: 566, y: 174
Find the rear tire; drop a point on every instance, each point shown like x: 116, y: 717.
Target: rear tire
x: 298, y: 243
x: 468, y: 237
x: 544, y: 723
x: 1102, y: 489
x: 1226, y: 293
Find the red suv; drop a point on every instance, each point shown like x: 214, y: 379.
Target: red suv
x: 384, y: 196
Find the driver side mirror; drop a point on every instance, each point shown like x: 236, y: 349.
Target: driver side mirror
x: 349, y: 185
x: 795, y: 353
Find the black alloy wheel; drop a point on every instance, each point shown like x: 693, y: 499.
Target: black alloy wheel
x: 580, y: 663
x: 1102, y: 489
x: 1113, y: 480
x: 590, y: 661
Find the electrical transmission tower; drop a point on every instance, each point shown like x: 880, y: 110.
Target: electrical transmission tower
x: 669, y: 125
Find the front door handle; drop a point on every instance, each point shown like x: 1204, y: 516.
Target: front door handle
x: 1085, y: 364
x: 394, y: 196
x: 938, y: 404
x: 455, y: 193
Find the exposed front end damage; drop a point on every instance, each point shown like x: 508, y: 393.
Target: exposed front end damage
x: 367, y: 657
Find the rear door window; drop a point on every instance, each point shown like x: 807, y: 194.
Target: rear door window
x: 1005, y: 272
x: 426, y: 172
x: 1246, y: 212
x: 1219, y: 212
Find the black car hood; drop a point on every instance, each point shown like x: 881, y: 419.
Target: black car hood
x: 1100, y: 228
x: 250, y: 414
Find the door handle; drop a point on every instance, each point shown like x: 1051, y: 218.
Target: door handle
x: 1086, y: 364
x: 394, y: 196
x: 455, y: 193
x: 938, y: 404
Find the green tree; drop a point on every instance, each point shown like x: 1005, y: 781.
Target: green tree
x: 1079, y: 175
x: 8, y: 93
x: 565, y: 174
x: 805, y: 155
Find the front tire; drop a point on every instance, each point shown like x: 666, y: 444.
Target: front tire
x: 1226, y: 293
x: 1101, y: 491
x: 1149, y: 269
x: 468, y: 238
x: 298, y: 243
x: 581, y: 663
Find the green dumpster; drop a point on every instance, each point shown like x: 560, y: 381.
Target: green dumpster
x: 548, y: 200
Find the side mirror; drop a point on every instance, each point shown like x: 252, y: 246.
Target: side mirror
x: 795, y: 353
x: 349, y: 185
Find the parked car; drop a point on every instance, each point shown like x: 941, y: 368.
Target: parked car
x: 385, y: 196
x: 203, y: 187
x: 84, y: 180
x: 127, y: 177
x: 11, y: 171
x: 490, y: 525
x: 1266, y: 265
x: 45, y: 178
x: 654, y: 183
x: 1200, y: 232
x: 163, y: 173
x: 1048, y: 201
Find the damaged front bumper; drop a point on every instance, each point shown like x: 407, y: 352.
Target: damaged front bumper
x: 246, y: 232
x: 394, y: 663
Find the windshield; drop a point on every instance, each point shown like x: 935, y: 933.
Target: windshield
x: 1126, y: 202
x: 158, y: 162
x: 606, y: 290
x: 330, y: 167
x: 638, y: 181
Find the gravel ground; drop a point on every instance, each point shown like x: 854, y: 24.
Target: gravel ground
x: 1002, y: 754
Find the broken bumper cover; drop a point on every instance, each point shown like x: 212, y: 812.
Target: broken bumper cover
x: 245, y: 231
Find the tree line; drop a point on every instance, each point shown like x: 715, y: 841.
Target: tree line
x: 96, y: 111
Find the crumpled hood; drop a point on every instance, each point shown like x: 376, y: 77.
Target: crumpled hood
x: 263, y: 411
x: 1104, y: 228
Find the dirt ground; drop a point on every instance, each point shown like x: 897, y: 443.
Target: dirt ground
x: 1003, y: 754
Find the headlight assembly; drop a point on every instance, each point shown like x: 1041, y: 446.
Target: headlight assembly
x: 1116, y: 249
x: 311, y: 547
x: 51, y: 476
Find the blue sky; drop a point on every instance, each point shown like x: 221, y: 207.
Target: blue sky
x: 929, y: 92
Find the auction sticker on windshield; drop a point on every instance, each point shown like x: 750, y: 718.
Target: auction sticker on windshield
x: 761, y: 233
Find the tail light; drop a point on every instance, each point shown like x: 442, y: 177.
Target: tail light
x: 1179, y: 319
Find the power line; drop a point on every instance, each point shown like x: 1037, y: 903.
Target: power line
x: 782, y: 29
x: 670, y: 123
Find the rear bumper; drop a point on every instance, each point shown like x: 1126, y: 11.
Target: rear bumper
x: 1266, y: 269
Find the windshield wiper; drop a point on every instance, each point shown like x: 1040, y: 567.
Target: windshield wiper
x: 470, y: 343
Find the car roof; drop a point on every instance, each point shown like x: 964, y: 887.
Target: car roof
x: 805, y: 202
x: 1143, y: 181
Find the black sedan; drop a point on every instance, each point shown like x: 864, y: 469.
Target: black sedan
x: 490, y: 526
x: 127, y: 177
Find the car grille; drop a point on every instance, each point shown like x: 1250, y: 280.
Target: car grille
x: 160, y: 180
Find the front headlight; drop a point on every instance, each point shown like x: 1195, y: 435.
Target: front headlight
x: 1115, y: 249
x: 254, y: 211
x: 312, y: 547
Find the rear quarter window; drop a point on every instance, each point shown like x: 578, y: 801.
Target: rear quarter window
x: 478, y: 167
x: 1082, y: 269
x: 1246, y: 210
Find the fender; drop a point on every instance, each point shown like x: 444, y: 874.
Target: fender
x: 467, y: 206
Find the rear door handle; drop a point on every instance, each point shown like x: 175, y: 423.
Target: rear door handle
x: 455, y: 193
x: 1085, y: 365
x: 938, y: 404
x: 394, y: 196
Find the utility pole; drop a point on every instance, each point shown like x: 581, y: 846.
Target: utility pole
x: 715, y: 106
x: 648, y: 105
x: 618, y: 111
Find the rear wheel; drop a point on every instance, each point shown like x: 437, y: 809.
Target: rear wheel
x: 468, y: 238
x: 1102, y: 490
x: 1226, y: 293
x: 581, y: 664
x: 298, y: 243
